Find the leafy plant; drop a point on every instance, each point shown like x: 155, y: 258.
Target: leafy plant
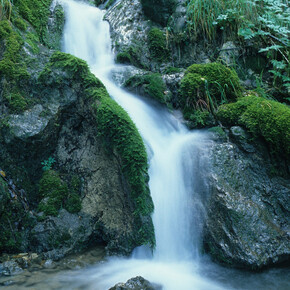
x: 47, y: 164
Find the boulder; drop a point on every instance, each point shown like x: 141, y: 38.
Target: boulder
x: 137, y: 283
x: 248, y: 211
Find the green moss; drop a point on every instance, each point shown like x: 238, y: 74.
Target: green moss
x: 20, y: 24
x: 131, y: 55
x: 152, y: 84
x: 157, y: 45
x: 123, y: 57
x: 263, y: 118
x: 119, y: 132
x: 73, y: 203
x: 36, y: 12
x: 172, y: 70
x: 11, y: 65
x: 54, y: 192
x: 206, y: 86
x: 33, y: 41
x: 16, y: 102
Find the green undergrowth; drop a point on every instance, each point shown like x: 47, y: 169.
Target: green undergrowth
x: 36, y: 12
x: 11, y: 65
x: 263, y: 118
x: 151, y: 84
x: 56, y: 193
x: 157, y: 45
x: 204, y: 87
x: 119, y: 132
x: 131, y: 55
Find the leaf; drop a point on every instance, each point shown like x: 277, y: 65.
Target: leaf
x: 272, y: 47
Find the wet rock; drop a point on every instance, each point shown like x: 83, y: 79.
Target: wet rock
x: 10, y: 268
x: 242, y: 139
x: 137, y: 283
x: 248, y: 212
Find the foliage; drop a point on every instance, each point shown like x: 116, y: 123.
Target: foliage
x: 47, y: 164
x: 263, y: 118
x: 157, y: 45
x: 36, y: 12
x: 16, y: 102
x: 11, y: 65
x: 120, y: 133
x: 205, y: 87
x: 5, y: 9
x: 131, y: 55
x: 56, y: 194
x: 266, y: 21
x: 152, y: 84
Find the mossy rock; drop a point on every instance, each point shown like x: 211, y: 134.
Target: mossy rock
x: 206, y: 86
x: 263, y: 118
x: 152, y: 85
x: 131, y: 55
x: 120, y: 134
x: 157, y: 45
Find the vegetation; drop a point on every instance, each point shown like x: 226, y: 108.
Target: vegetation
x: 131, y: 55
x: 157, y: 45
x: 204, y: 87
x: 120, y: 133
x: 263, y: 118
x: 56, y: 194
x: 266, y: 22
x: 36, y: 12
x: 152, y: 84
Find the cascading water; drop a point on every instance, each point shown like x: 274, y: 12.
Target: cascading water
x: 173, y: 152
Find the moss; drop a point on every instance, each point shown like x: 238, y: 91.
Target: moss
x: 20, y: 24
x: 206, y: 86
x: 54, y: 192
x: 73, y: 203
x: 123, y: 57
x: 131, y: 55
x: 172, y: 70
x: 119, y: 132
x: 11, y: 65
x: 218, y: 130
x: 36, y: 12
x: 152, y: 84
x: 157, y: 45
x: 263, y: 118
x: 33, y: 41
x: 16, y: 102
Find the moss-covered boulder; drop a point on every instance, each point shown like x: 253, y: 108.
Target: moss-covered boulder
x: 157, y: 45
x: 264, y: 118
x: 149, y: 85
x: 203, y: 88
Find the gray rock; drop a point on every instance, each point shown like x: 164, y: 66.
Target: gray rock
x: 248, y: 212
x: 241, y: 138
x: 10, y: 268
x: 137, y: 283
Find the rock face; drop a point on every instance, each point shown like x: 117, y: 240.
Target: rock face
x: 59, y: 121
x: 137, y: 283
x: 248, y: 212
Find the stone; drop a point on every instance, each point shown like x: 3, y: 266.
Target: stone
x: 248, y: 211
x: 137, y: 283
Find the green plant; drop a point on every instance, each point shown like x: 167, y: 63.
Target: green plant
x: 206, y: 86
x: 47, y: 164
x: 5, y: 9
x: 16, y: 102
x: 263, y: 118
x: 152, y: 84
x: 157, y: 45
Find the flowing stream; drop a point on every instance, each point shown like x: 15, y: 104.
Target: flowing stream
x: 177, y: 161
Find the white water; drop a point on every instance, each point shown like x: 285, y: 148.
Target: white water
x: 174, y: 173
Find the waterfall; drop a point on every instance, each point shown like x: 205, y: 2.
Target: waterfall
x: 175, y: 174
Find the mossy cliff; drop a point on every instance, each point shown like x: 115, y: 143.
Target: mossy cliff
x: 51, y: 103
